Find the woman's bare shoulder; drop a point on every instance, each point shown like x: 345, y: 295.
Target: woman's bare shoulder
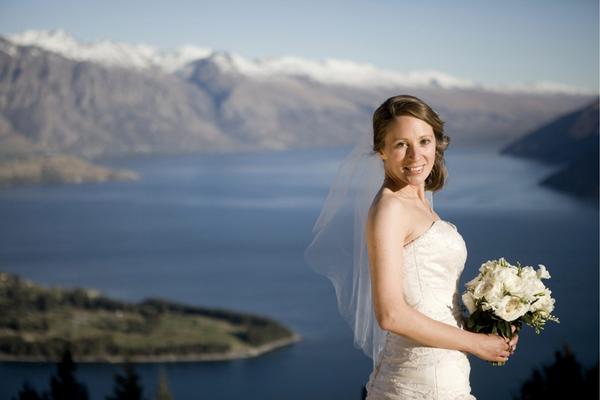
x: 389, y: 209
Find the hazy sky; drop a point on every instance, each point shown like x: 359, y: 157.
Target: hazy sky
x: 493, y: 42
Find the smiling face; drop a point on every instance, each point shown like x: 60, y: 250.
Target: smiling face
x: 409, y: 151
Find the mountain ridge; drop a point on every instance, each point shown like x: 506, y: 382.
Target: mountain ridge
x: 52, y: 104
x: 327, y: 71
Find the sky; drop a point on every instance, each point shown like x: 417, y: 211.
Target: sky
x: 492, y: 42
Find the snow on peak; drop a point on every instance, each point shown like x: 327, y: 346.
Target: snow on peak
x: 350, y: 73
x: 110, y: 53
x: 328, y: 71
x: 543, y: 87
x: 332, y: 71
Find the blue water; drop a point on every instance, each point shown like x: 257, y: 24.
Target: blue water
x: 229, y: 231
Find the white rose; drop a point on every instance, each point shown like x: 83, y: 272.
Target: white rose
x: 528, y: 273
x: 531, y: 287
x: 469, y: 302
x: 488, y: 266
x: 510, y: 308
x: 508, y: 278
x: 527, y: 288
x: 488, y: 288
x: 544, y: 303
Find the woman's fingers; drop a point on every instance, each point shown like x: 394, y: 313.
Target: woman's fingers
x: 513, y: 342
x: 504, y: 350
x: 501, y: 350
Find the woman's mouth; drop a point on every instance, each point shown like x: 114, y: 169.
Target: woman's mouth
x: 415, y: 170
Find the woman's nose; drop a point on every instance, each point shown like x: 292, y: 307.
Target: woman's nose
x: 412, y: 152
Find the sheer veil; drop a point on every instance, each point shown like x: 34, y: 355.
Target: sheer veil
x: 338, y: 249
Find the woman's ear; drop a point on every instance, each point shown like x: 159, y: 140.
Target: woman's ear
x: 382, y: 156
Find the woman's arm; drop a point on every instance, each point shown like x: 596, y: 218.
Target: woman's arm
x: 385, y: 238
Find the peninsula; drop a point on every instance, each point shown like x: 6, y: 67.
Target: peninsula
x: 57, y: 169
x: 37, y: 323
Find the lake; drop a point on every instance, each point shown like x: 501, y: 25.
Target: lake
x: 230, y: 231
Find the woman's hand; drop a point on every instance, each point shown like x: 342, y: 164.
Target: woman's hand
x: 490, y: 347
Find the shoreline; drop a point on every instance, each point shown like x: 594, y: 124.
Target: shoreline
x: 167, y: 358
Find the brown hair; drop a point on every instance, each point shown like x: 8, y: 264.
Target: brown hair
x: 407, y: 105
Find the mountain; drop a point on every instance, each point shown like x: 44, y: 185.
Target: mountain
x: 58, y: 95
x: 571, y: 142
x: 561, y: 140
x: 329, y: 71
x: 60, y: 105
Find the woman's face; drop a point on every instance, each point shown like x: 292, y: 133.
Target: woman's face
x: 409, y: 151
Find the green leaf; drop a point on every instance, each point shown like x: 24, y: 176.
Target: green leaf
x: 501, y: 328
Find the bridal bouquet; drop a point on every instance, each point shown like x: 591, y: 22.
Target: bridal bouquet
x: 505, y: 295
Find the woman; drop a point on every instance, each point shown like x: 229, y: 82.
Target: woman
x: 416, y: 259
x: 396, y: 264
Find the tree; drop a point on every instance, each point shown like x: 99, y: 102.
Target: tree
x: 63, y: 385
x: 163, y: 392
x: 27, y: 392
x: 564, y: 379
x: 126, y: 386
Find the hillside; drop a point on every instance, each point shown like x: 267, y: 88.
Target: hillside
x: 37, y: 323
x: 571, y: 143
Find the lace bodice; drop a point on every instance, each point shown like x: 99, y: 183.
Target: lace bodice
x: 431, y: 269
x: 432, y: 266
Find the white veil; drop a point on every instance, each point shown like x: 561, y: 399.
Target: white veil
x: 338, y: 249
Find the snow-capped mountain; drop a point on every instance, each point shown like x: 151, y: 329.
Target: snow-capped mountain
x: 334, y: 71
x: 110, y: 53
x: 204, y: 100
x: 328, y: 71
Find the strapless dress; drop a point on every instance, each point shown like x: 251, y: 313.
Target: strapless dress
x: 407, y: 370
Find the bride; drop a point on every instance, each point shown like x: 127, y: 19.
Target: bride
x: 396, y: 277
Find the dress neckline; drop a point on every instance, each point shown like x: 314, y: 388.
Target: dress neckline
x: 426, y: 232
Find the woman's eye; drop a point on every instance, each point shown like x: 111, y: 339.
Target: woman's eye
x: 426, y: 141
x: 400, y: 144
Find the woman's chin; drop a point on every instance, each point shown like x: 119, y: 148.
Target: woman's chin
x: 415, y: 180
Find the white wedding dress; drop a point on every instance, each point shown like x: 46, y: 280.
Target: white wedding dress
x: 406, y: 370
